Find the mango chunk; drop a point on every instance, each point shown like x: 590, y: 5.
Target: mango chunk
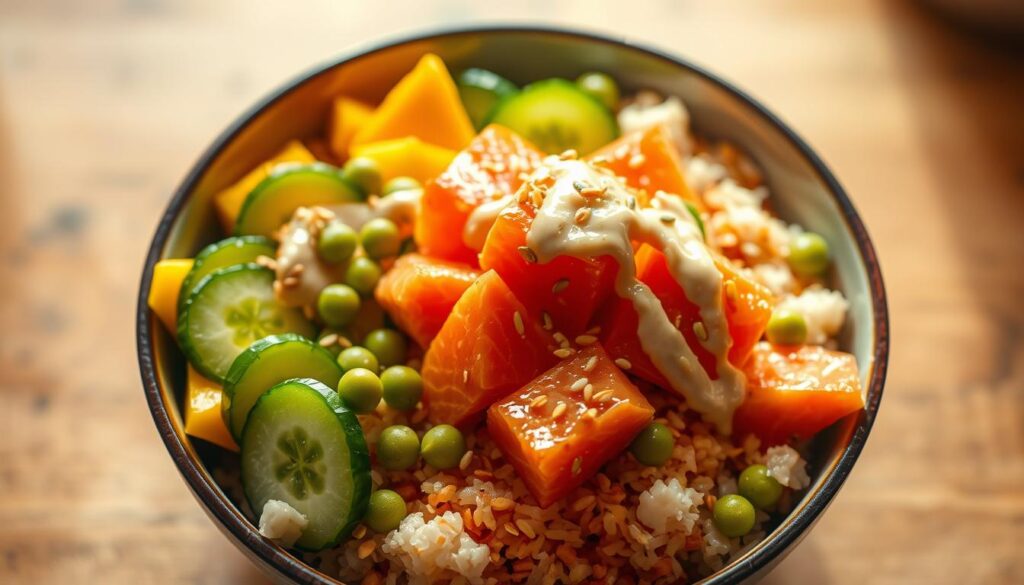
x: 407, y: 157
x: 203, y: 418
x: 163, y: 292
x: 424, y: 104
x: 347, y: 117
x: 229, y: 201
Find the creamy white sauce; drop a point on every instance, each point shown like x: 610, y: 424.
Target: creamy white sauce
x: 607, y: 230
x: 399, y: 207
x: 298, y: 248
x: 480, y: 221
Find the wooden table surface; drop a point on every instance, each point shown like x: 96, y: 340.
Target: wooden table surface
x: 105, y: 104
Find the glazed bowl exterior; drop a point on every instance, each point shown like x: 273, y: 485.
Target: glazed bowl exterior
x: 803, y: 191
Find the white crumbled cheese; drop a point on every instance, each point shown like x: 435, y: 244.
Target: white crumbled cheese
x: 703, y: 173
x: 787, y: 467
x: 427, y: 549
x: 642, y: 115
x: 824, y: 312
x: 282, y: 523
x: 669, y: 507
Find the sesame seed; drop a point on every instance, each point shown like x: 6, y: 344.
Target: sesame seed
x: 636, y: 161
x: 344, y: 342
x: 568, y: 154
x: 517, y: 320
x: 539, y: 401
x: 563, y: 352
x: 631, y: 202
x: 329, y: 339
x: 623, y: 363
x: 590, y: 414
x: 366, y: 549
x: 603, y: 395
x: 559, y: 410
x: 585, y: 339
x: 511, y: 529
x: 467, y: 458
x: 588, y: 392
x: 360, y: 531
x: 668, y: 218
x: 561, y: 285
x: 700, y: 331
x: 526, y: 529
x: 591, y: 363
x: 577, y: 465
x: 546, y: 321
x: 592, y: 191
x: 579, y: 186
x: 561, y: 338
x: 527, y: 254
x: 578, y: 385
x: 582, y: 214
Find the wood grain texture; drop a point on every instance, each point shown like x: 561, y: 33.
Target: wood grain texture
x: 105, y: 104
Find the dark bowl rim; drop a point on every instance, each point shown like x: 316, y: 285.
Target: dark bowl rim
x: 210, y: 495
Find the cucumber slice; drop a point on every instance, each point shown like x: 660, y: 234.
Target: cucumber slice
x: 556, y: 115
x: 270, y: 361
x: 229, y: 252
x: 480, y: 90
x: 227, y: 311
x: 287, y: 188
x: 302, y: 446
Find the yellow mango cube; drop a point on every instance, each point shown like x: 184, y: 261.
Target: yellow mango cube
x: 203, y: 418
x: 229, y: 201
x: 424, y: 104
x: 163, y: 291
x: 347, y: 117
x: 407, y: 157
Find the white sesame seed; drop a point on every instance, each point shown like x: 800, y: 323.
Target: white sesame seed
x: 578, y: 385
x: 539, y: 401
x: 636, y: 161
x: 527, y: 254
x: 700, y: 331
x: 329, y: 339
x: 588, y: 392
x: 517, y: 320
x: 563, y: 352
x: 591, y: 363
x: 546, y: 321
x: 582, y: 214
x: 466, y: 460
x: 568, y: 154
x: 559, y: 410
x: 585, y: 339
x: 623, y: 363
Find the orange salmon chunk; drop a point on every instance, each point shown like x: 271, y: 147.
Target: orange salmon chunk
x: 488, y: 169
x: 559, y: 429
x: 747, y: 309
x: 419, y: 293
x: 486, y: 348
x: 796, y: 391
x: 647, y: 160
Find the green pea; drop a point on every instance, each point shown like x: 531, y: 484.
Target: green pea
x: 363, y: 174
x: 398, y: 448
x: 360, y: 389
x: 362, y: 274
x: 808, y: 254
x: 787, y: 327
x: 380, y: 238
x: 387, y: 344
x: 354, y: 357
x: 653, y: 446
x: 600, y: 86
x: 386, y: 511
x: 338, y: 305
x: 403, y: 387
x: 337, y: 242
x: 401, y: 184
x: 760, y: 488
x: 443, y: 447
x: 734, y: 515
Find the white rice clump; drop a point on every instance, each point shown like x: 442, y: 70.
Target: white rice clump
x: 669, y: 507
x: 703, y: 173
x: 282, y: 523
x: 824, y: 312
x: 427, y: 549
x: 642, y: 114
x: 787, y: 467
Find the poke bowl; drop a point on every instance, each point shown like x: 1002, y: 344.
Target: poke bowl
x: 512, y: 305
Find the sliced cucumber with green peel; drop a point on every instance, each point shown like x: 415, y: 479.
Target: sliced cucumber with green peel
x: 227, y: 311
x: 228, y: 252
x: 302, y: 446
x: 269, y: 362
x: 556, y: 115
x: 480, y: 90
x: 287, y: 188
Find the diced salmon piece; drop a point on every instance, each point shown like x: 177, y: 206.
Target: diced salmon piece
x: 486, y: 170
x: 648, y: 160
x: 796, y: 391
x: 556, y: 446
x: 483, y: 352
x: 419, y: 293
x: 747, y: 309
x: 568, y: 289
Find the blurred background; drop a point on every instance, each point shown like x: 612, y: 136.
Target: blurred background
x: 105, y: 104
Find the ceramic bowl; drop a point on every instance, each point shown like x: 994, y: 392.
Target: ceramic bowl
x: 803, y: 191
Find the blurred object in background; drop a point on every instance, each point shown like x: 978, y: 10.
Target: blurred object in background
x: 1002, y: 17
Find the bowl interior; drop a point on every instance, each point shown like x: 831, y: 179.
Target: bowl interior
x: 801, y: 190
